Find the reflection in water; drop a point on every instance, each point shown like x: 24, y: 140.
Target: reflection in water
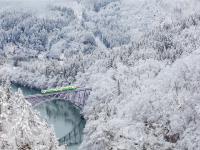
x: 62, y: 115
x: 25, y: 90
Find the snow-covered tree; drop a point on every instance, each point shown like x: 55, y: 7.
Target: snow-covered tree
x: 21, y: 127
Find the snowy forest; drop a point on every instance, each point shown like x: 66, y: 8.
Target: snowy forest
x: 141, y: 58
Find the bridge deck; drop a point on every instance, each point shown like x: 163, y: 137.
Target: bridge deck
x: 76, y: 97
x: 69, y: 91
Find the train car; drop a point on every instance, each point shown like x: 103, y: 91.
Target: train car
x: 60, y: 89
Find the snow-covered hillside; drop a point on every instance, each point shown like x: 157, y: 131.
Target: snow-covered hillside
x: 140, y: 57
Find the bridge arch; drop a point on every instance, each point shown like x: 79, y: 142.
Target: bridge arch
x: 76, y: 97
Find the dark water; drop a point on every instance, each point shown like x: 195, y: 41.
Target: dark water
x: 26, y: 91
x: 63, y: 116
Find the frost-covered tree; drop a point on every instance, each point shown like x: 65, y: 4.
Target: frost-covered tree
x: 21, y: 127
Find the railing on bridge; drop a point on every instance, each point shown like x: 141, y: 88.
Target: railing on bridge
x: 75, y: 136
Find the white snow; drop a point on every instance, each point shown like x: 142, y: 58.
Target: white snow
x: 140, y: 57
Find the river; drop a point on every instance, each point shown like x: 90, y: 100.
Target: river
x: 63, y: 116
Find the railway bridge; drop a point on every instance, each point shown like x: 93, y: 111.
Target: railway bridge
x: 77, y: 98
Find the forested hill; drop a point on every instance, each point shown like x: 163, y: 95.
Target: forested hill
x: 140, y: 57
x: 59, y: 38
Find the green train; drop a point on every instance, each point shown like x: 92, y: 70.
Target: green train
x: 60, y: 89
